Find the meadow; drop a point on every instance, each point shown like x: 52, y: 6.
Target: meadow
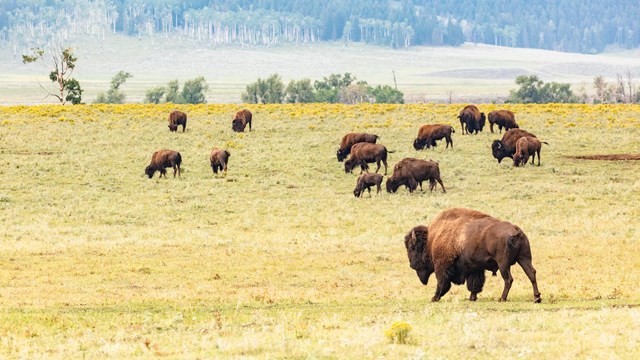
x: 278, y: 259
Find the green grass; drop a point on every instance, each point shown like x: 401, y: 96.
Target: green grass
x: 278, y: 259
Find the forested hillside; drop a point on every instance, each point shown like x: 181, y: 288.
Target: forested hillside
x: 564, y: 25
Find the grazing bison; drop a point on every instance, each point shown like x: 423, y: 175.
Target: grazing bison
x: 162, y: 159
x: 527, y: 146
x: 471, y: 119
x: 363, y: 153
x: 411, y: 172
x: 507, y: 146
x: 460, y: 244
x: 177, y: 117
x: 353, y: 138
x: 504, y: 119
x: 365, y: 182
x: 241, y: 120
x: 428, y: 134
x: 219, y: 159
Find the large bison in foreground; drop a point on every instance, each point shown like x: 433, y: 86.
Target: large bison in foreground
x: 507, y: 146
x: 503, y: 118
x: 471, y: 119
x: 428, y: 134
x: 351, y: 139
x: 411, y: 172
x: 177, y: 117
x: 162, y: 159
x: 460, y: 244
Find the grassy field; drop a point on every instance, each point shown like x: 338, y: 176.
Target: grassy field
x: 278, y: 259
x: 469, y: 73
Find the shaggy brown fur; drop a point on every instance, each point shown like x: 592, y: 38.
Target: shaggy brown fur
x: 460, y: 244
x: 241, y: 120
x: 471, y: 119
x: 353, y: 138
x: 177, y: 117
x: 507, y: 146
x: 162, y: 159
x: 219, y: 159
x: 527, y: 146
x: 428, y: 134
x: 503, y: 118
x: 365, y: 182
x: 411, y: 172
x: 363, y: 153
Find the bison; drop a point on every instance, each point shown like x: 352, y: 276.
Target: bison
x: 363, y: 153
x: 353, y: 138
x: 471, y: 119
x: 219, y: 159
x: 241, y: 120
x: 504, y: 119
x: 177, y: 117
x: 162, y: 159
x: 527, y: 146
x: 411, y: 172
x: 428, y: 134
x: 507, y: 146
x: 460, y: 244
x: 365, y: 182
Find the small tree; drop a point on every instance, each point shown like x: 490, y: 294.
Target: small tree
x: 534, y: 90
x: 267, y: 91
x: 173, y: 96
x: 387, y: 95
x: 300, y: 91
x: 193, y: 91
x: 114, y: 94
x: 62, y: 64
x: 153, y: 96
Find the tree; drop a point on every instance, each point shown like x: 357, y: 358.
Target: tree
x: 265, y: 91
x: 153, y: 96
x: 300, y: 91
x: 173, y: 96
x: 534, y: 90
x: 387, y: 95
x: 114, y: 94
x: 193, y: 91
x: 62, y: 64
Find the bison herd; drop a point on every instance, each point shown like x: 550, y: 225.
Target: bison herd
x: 460, y: 244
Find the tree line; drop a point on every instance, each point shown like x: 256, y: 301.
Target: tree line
x: 564, y: 25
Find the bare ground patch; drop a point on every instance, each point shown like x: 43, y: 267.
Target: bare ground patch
x: 610, y: 157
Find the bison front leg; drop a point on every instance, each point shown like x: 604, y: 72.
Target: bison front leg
x: 444, y: 284
x: 531, y: 274
x: 475, y: 283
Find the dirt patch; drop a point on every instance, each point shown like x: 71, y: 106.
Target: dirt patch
x: 607, y: 157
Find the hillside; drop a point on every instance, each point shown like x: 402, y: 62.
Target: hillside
x: 471, y: 72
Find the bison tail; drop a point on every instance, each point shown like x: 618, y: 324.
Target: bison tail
x: 391, y: 151
x: 544, y: 142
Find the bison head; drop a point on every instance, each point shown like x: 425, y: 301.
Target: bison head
x: 419, y: 144
x: 173, y: 127
x: 392, y: 184
x: 499, y: 151
x: 350, y: 164
x: 149, y: 171
x: 415, y: 242
x: 342, y: 154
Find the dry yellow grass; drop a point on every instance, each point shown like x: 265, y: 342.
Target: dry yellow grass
x: 278, y: 259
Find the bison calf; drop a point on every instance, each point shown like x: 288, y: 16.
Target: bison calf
x: 162, y: 159
x: 177, y: 117
x: 219, y: 159
x: 460, y: 244
x: 366, y: 181
x: 527, y: 146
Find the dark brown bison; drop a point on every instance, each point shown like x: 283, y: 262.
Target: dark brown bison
x: 365, y: 182
x: 162, y: 159
x: 527, y: 146
x: 507, y: 146
x: 428, y: 134
x: 177, y: 117
x: 471, y: 119
x: 411, y: 172
x: 365, y: 153
x: 219, y: 159
x: 460, y: 244
x: 353, y: 138
x: 241, y: 120
x: 504, y: 119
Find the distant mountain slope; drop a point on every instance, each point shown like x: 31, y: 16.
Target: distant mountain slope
x: 562, y: 25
